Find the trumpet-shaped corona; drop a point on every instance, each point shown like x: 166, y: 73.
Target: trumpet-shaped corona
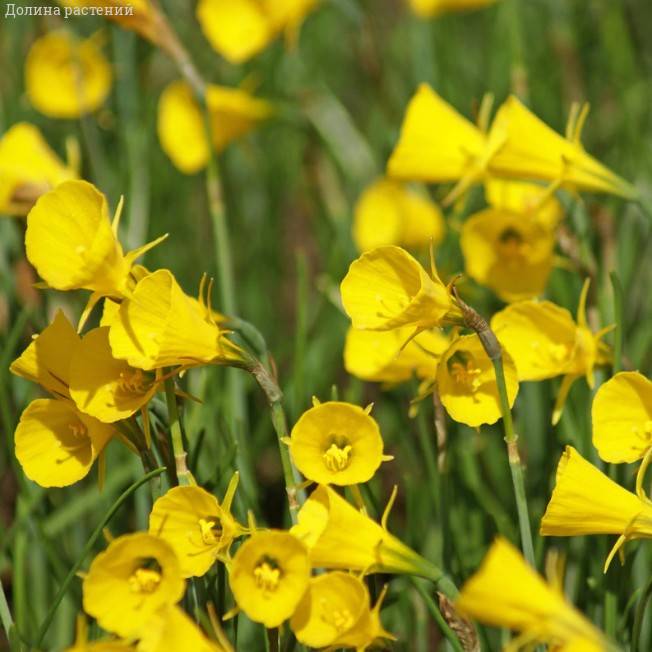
x: 384, y: 356
x: 466, y: 382
x: 387, y: 288
x: 337, y: 443
x: 622, y: 418
x: 127, y: 584
x: 66, y: 78
x: 532, y: 150
x: 586, y: 501
x: 390, y: 213
x: 526, y: 603
x: 196, y: 525
x: 269, y: 575
x: 510, y: 253
x: 160, y: 326
x: 56, y: 444
x: 336, y: 612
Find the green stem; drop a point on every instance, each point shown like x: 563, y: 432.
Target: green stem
x: 618, y: 319
x: 5, y: 614
x: 638, y: 617
x: 434, y: 611
x: 515, y: 466
x: 87, y: 549
x: 183, y: 474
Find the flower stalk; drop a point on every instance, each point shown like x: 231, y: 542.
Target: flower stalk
x: 184, y: 477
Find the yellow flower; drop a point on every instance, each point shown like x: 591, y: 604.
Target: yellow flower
x: 130, y: 581
x: 339, y: 536
x: 66, y: 78
x: 466, y: 382
x: 181, y: 126
x: 269, y: 575
x: 194, y: 523
x: 622, y: 418
x: 391, y: 213
x: 160, y: 326
x: 544, y: 341
x: 239, y: 29
x: 524, y: 198
x: 336, y: 612
x: 532, y: 150
x: 387, y: 288
x: 103, y: 386
x: 439, y: 145
x: 46, y: 360
x: 510, y: 253
x: 171, y: 629
x: 73, y: 221
x: 337, y: 443
x: 28, y: 168
x: 428, y: 8
x: 56, y: 444
x: 586, y: 501
x: 378, y: 356
x: 525, y: 603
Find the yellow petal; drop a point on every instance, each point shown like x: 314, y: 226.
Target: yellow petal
x: 429, y: 8
x: 540, y: 337
x: 436, y: 142
x: 386, y: 288
x: 73, y: 221
x: 46, y: 360
x: 510, y: 253
x: 466, y: 382
x: 181, y: 128
x: 622, y: 418
x: 104, y: 387
x: 66, y: 78
x: 56, y: 444
x: 532, y: 150
x: 390, y: 213
x: 28, y: 167
x: 237, y: 29
x: 378, y: 355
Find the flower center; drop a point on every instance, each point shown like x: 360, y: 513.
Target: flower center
x: 144, y: 580
x: 511, y: 245
x: 464, y: 370
x: 267, y: 574
x: 340, y: 619
x: 211, y: 530
x: 133, y: 381
x: 338, y: 456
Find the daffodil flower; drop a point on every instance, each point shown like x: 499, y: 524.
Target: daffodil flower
x: 622, y: 418
x: 239, y: 29
x: 126, y: 585
x: 586, y: 501
x: 73, y: 220
x: 181, y: 126
x: 391, y: 213
x: 439, y: 145
x: 544, y: 342
x: 532, y: 150
x: 196, y: 525
x: 336, y: 612
x: 29, y: 168
x: 269, y: 575
x: 337, y: 443
x: 65, y: 77
x: 466, y: 382
x: 525, y: 603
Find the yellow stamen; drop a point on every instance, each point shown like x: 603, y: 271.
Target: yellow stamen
x: 211, y: 532
x: 267, y: 575
x: 144, y: 580
x: 337, y: 457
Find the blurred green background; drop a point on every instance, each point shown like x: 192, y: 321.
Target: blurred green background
x: 289, y: 191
